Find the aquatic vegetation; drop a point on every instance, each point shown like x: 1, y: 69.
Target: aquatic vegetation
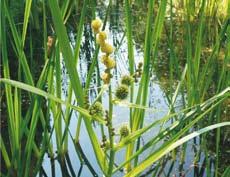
x: 127, y: 80
x: 96, y: 25
x: 122, y: 92
x: 124, y: 131
x: 108, y: 62
x: 101, y: 37
x: 96, y: 109
x: 106, y: 77
x: 107, y: 48
x: 65, y: 95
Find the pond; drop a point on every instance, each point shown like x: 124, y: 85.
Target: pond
x: 157, y: 101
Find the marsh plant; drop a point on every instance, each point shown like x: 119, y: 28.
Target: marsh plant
x: 43, y: 124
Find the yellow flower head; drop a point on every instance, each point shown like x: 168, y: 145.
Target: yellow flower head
x: 106, y: 78
x: 96, y: 25
x: 102, y: 35
x: 107, y: 48
x: 104, y: 58
x: 108, y: 61
x: 100, y: 41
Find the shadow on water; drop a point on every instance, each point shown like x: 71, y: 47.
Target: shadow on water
x: 84, y: 164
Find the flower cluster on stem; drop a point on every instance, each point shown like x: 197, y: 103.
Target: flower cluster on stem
x: 106, y: 48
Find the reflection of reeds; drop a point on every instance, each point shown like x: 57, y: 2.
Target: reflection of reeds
x: 195, y: 78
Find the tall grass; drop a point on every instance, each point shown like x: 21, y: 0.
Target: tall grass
x: 194, y: 119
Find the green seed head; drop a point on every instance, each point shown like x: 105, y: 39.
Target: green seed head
x: 126, y: 80
x: 140, y: 64
x: 124, y: 130
x: 96, y: 109
x: 122, y: 92
x: 107, y: 145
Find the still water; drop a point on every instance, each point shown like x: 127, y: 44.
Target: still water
x: 157, y: 100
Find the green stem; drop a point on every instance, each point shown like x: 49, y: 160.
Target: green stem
x: 110, y: 129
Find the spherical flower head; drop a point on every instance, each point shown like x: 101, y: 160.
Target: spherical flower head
x: 104, y: 58
x: 109, y: 62
x: 122, y: 92
x: 100, y: 41
x: 96, y: 109
x: 107, y: 48
x: 102, y: 35
x: 106, y: 78
x: 124, y: 131
x: 96, y: 25
x: 127, y: 80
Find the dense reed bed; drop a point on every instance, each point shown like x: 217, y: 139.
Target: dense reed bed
x: 188, y: 41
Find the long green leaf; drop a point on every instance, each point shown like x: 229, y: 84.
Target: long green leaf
x: 74, y: 78
x: 226, y: 172
x: 4, y: 153
x: 26, y: 19
x: 156, y: 156
x: 40, y: 92
x: 130, y: 48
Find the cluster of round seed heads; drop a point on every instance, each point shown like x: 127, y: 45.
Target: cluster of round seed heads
x: 124, y: 131
x: 105, y: 48
x: 86, y: 101
x: 122, y: 92
x: 105, y: 143
x: 127, y: 80
x: 108, y: 123
x: 96, y: 109
x: 138, y: 72
x: 107, y: 118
